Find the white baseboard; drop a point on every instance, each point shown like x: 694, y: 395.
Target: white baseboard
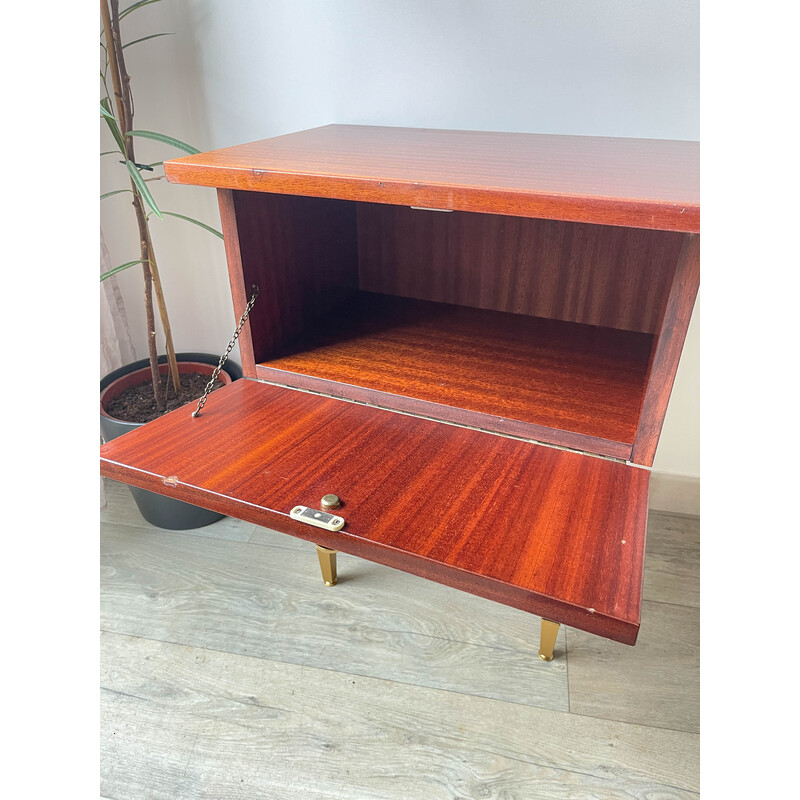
x: 675, y: 494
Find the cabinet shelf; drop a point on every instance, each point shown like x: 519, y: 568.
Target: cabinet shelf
x: 540, y: 378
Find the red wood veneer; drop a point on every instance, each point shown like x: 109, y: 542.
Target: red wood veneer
x: 551, y: 304
x: 575, y: 385
x: 551, y: 532
x: 595, y: 274
x: 640, y: 183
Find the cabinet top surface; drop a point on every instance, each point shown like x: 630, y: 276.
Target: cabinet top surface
x: 646, y: 183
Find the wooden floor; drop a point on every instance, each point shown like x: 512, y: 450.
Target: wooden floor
x: 228, y: 670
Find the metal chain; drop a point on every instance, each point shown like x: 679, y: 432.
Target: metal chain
x: 224, y: 356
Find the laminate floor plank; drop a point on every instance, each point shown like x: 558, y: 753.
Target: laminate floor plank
x: 398, y: 687
x: 186, y: 722
x: 672, y: 560
x: 428, y: 608
x: 271, y: 602
x: 656, y: 682
x: 121, y: 509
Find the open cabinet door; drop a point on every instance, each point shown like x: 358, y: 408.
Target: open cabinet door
x: 553, y: 532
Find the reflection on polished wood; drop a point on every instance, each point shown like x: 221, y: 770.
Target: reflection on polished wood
x: 575, y: 385
x: 640, y: 183
x: 555, y: 533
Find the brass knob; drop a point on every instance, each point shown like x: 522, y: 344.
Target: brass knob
x: 330, y: 501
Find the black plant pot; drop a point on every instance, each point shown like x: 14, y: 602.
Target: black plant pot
x: 163, y: 512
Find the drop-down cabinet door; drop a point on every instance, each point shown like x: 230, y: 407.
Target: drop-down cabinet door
x: 556, y: 533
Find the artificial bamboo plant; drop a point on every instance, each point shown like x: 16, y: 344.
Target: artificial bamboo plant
x: 119, y: 118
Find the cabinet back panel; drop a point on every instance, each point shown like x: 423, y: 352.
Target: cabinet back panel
x: 301, y: 252
x: 577, y: 272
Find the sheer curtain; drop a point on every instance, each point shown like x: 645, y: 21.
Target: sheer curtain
x: 116, y: 347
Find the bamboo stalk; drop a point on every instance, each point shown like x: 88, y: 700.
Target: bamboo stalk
x: 162, y: 308
x: 124, y: 103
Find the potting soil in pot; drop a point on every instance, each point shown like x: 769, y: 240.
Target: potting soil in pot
x: 137, y: 404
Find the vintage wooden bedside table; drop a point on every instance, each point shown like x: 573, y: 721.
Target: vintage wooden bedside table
x: 469, y: 339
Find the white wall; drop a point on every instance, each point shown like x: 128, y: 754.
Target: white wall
x: 250, y: 69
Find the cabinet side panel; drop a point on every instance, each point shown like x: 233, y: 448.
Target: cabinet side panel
x: 301, y: 252
x: 667, y: 351
x: 593, y: 274
x: 236, y: 278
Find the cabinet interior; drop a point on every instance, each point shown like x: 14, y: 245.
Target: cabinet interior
x: 538, y: 328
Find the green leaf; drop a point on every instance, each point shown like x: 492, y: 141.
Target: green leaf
x: 105, y: 108
x: 109, y: 152
x: 119, y: 269
x: 145, y: 38
x: 132, y: 8
x: 160, y: 137
x: 196, y: 222
x: 113, y: 127
x: 111, y: 194
x: 141, y: 186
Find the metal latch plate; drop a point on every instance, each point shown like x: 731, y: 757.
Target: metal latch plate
x: 320, y: 519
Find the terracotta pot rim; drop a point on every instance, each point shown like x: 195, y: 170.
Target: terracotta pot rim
x: 138, y: 376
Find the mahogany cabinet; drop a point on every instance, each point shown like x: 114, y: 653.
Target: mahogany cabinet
x: 470, y: 338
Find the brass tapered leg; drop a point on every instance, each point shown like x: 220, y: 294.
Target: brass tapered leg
x: 327, y: 563
x: 548, y: 639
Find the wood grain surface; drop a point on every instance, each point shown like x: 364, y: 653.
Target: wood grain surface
x: 667, y: 351
x: 204, y: 639
x: 576, y: 385
x: 240, y: 292
x: 595, y: 274
x: 644, y: 183
x: 672, y: 564
x: 310, y: 255
x: 266, y: 599
x: 551, y: 532
x: 301, y: 253
x: 666, y: 659
x: 181, y: 722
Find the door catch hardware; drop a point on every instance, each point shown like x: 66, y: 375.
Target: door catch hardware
x: 320, y: 519
x: 330, y: 501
